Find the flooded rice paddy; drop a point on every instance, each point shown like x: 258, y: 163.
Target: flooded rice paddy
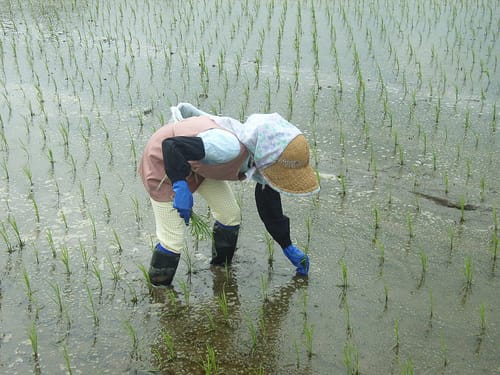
x: 399, y: 102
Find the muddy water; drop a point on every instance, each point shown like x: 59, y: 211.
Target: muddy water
x: 398, y: 101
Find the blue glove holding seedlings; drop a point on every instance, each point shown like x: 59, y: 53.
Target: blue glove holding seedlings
x: 298, y: 259
x: 183, y: 199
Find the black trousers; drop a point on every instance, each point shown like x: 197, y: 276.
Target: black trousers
x: 268, y: 203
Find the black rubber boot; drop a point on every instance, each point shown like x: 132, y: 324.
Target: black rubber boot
x: 224, y: 243
x: 163, y: 266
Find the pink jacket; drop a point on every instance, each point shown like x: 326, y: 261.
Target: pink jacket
x: 152, y: 168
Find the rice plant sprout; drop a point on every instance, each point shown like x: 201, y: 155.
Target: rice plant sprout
x: 169, y: 342
x: 223, y: 304
x: 468, y: 272
x: 494, y: 247
x: 92, y: 308
x: 133, y: 335
x: 210, y: 365
x: 351, y: 358
x: 343, y: 268
x: 33, y: 337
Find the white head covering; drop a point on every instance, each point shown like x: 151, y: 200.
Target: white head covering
x: 266, y: 136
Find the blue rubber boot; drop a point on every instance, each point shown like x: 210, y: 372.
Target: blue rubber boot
x: 298, y: 259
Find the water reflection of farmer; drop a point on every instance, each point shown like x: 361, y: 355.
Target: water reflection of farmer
x: 201, y: 152
x: 208, y: 326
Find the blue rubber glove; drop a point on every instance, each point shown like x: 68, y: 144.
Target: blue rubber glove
x: 298, y: 259
x: 183, y: 199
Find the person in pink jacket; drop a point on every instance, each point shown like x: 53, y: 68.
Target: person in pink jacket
x: 199, y: 152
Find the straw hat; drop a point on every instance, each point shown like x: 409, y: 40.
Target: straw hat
x: 291, y: 173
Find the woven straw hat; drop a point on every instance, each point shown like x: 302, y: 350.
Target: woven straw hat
x: 291, y: 173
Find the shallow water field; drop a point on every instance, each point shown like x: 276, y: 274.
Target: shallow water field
x: 399, y: 103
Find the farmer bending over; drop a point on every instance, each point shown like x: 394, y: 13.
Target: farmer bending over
x: 201, y: 152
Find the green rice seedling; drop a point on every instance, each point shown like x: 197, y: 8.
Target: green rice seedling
x: 483, y: 189
x: 116, y: 241
x: 304, y: 303
x: 133, y: 335
x: 437, y: 111
x: 33, y: 337
x: 98, y: 171
x: 263, y: 288
x: 211, y: 320
x: 468, y: 168
x: 401, y: 156
x: 64, y: 220
x: 409, y: 221
x: 93, y: 225
x: 145, y: 274
x: 169, y: 342
x: 35, y: 207
x: 13, y: 223
x: 270, y: 248
x: 137, y: 210
x: 223, y: 304
x: 351, y: 358
x: 173, y: 302
x: 308, y: 234
x: 64, y: 255
x: 210, y: 364
x: 97, y: 273
x: 343, y: 268
x: 423, y: 262
x: 186, y: 291
x: 50, y: 241
x: 431, y: 302
x: 115, y: 268
x: 494, y: 118
x: 27, y: 283
x: 446, y: 189
x: 482, y: 313
x: 308, y: 332
x: 396, y: 335
x: 64, y: 132
x: 408, y: 368
x: 5, y: 169
x: 67, y: 361
x: 381, y: 248
x: 92, y: 309
x: 200, y: 228
x: 107, y: 212
x: 57, y: 297
x: 290, y: 101
x: 468, y: 272
x: 82, y: 192
x: 494, y: 246
x: 377, y: 218
x: 252, y: 330
x: 72, y: 163
x: 461, y: 202
x: 267, y: 103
